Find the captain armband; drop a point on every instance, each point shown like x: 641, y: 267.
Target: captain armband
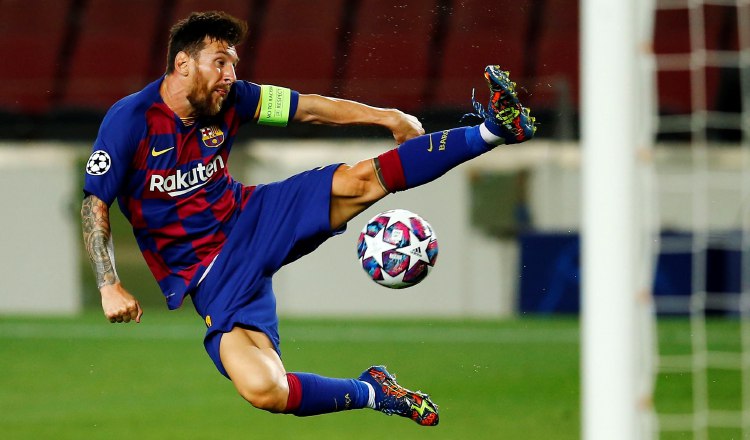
x: 275, y: 103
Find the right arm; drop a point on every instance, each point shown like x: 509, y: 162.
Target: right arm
x: 117, y: 303
x: 317, y: 109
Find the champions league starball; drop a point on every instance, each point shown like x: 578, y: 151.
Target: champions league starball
x: 98, y: 163
x: 397, y: 248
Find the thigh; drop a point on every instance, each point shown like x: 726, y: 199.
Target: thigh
x: 293, y: 217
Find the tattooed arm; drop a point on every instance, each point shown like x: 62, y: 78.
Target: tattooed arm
x: 118, y: 304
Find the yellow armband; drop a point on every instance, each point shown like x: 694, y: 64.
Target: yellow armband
x: 275, y: 103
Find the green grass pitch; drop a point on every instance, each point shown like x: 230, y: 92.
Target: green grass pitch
x: 83, y: 378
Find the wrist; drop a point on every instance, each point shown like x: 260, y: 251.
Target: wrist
x: 107, y: 287
x: 391, y: 118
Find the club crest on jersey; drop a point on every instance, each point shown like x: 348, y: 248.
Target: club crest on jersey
x: 212, y: 136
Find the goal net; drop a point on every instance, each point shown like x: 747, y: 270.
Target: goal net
x: 701, y: 52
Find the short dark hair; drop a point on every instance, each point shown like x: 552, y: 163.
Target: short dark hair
x: 189, y: 34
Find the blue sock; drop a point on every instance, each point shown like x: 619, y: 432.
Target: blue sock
x: 425, y: 158
x: 322, y: 395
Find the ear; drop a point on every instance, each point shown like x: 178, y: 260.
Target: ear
x: 182, y: 63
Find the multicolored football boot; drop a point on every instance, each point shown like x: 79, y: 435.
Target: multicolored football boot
x: 391, y: 398
x: 504, y: 116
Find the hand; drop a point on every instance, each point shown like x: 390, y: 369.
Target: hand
x: 119, y: 305
x: 405, y: 127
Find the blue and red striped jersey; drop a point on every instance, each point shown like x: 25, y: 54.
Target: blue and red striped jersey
x: 171, y: 181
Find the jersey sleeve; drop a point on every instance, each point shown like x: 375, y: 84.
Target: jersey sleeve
x: 248, y: 100
x: 113, y: 150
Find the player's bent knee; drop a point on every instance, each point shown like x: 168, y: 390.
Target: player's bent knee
x: 357, y: 182
x: 262, y: 388
x: 266, y: 395
x: 354, y: 190
x: 256, y: 373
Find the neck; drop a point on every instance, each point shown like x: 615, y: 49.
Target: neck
x: 174, y: 93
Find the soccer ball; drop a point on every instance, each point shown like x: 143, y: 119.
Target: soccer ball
x: 98, y: 163
x: 397, y: 248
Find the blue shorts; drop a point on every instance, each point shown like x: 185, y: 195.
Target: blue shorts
x: 281, y: 222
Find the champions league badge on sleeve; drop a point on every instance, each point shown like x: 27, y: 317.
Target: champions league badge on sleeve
x: 99, y: 163
x: 212, y: 136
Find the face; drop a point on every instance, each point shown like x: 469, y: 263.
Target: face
x: 212, y: 76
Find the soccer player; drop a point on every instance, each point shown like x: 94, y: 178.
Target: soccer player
x: 163, y: 152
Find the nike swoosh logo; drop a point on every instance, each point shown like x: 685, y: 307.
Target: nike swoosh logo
x: 156, y: 153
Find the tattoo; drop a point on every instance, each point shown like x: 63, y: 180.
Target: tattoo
x: 379, y: 174
x: 97, y: 237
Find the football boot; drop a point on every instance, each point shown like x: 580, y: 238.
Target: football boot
x: 504, y: 115
x: 391, y: 398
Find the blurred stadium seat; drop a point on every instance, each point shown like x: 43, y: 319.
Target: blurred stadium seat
x: 81, y: 56
x: 721, y: 35
x: 183, y: 8
x: 672, y: 37
x: 389, y: 59
x: 298, y: 44
x: 673, y: 85
x: 112, y: 56
x: 555, y: 81
x: 31, y: 38
x: 473, y: 40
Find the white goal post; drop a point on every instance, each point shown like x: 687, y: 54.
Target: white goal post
x: 615, y: 116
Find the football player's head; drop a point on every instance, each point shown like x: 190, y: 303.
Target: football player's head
x: 202, y: 49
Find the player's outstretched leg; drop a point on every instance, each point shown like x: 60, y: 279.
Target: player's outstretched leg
x: 391, y: 398
x: 425, y: 158
x: 311, y: 394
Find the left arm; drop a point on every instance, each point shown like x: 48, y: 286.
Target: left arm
x: 316, y: 109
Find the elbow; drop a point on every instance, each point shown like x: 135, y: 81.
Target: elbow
x: 92, y: 208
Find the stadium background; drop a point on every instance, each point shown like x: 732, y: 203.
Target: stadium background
x: 496, y: 324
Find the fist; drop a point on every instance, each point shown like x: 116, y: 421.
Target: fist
x: 119, y: 305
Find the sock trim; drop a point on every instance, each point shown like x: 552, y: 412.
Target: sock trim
x: 390, y: 171
x: 295, y: 393
x: 370, y: 395
x: 490, y: 137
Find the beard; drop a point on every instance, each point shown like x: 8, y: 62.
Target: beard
x: 202, y: 99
